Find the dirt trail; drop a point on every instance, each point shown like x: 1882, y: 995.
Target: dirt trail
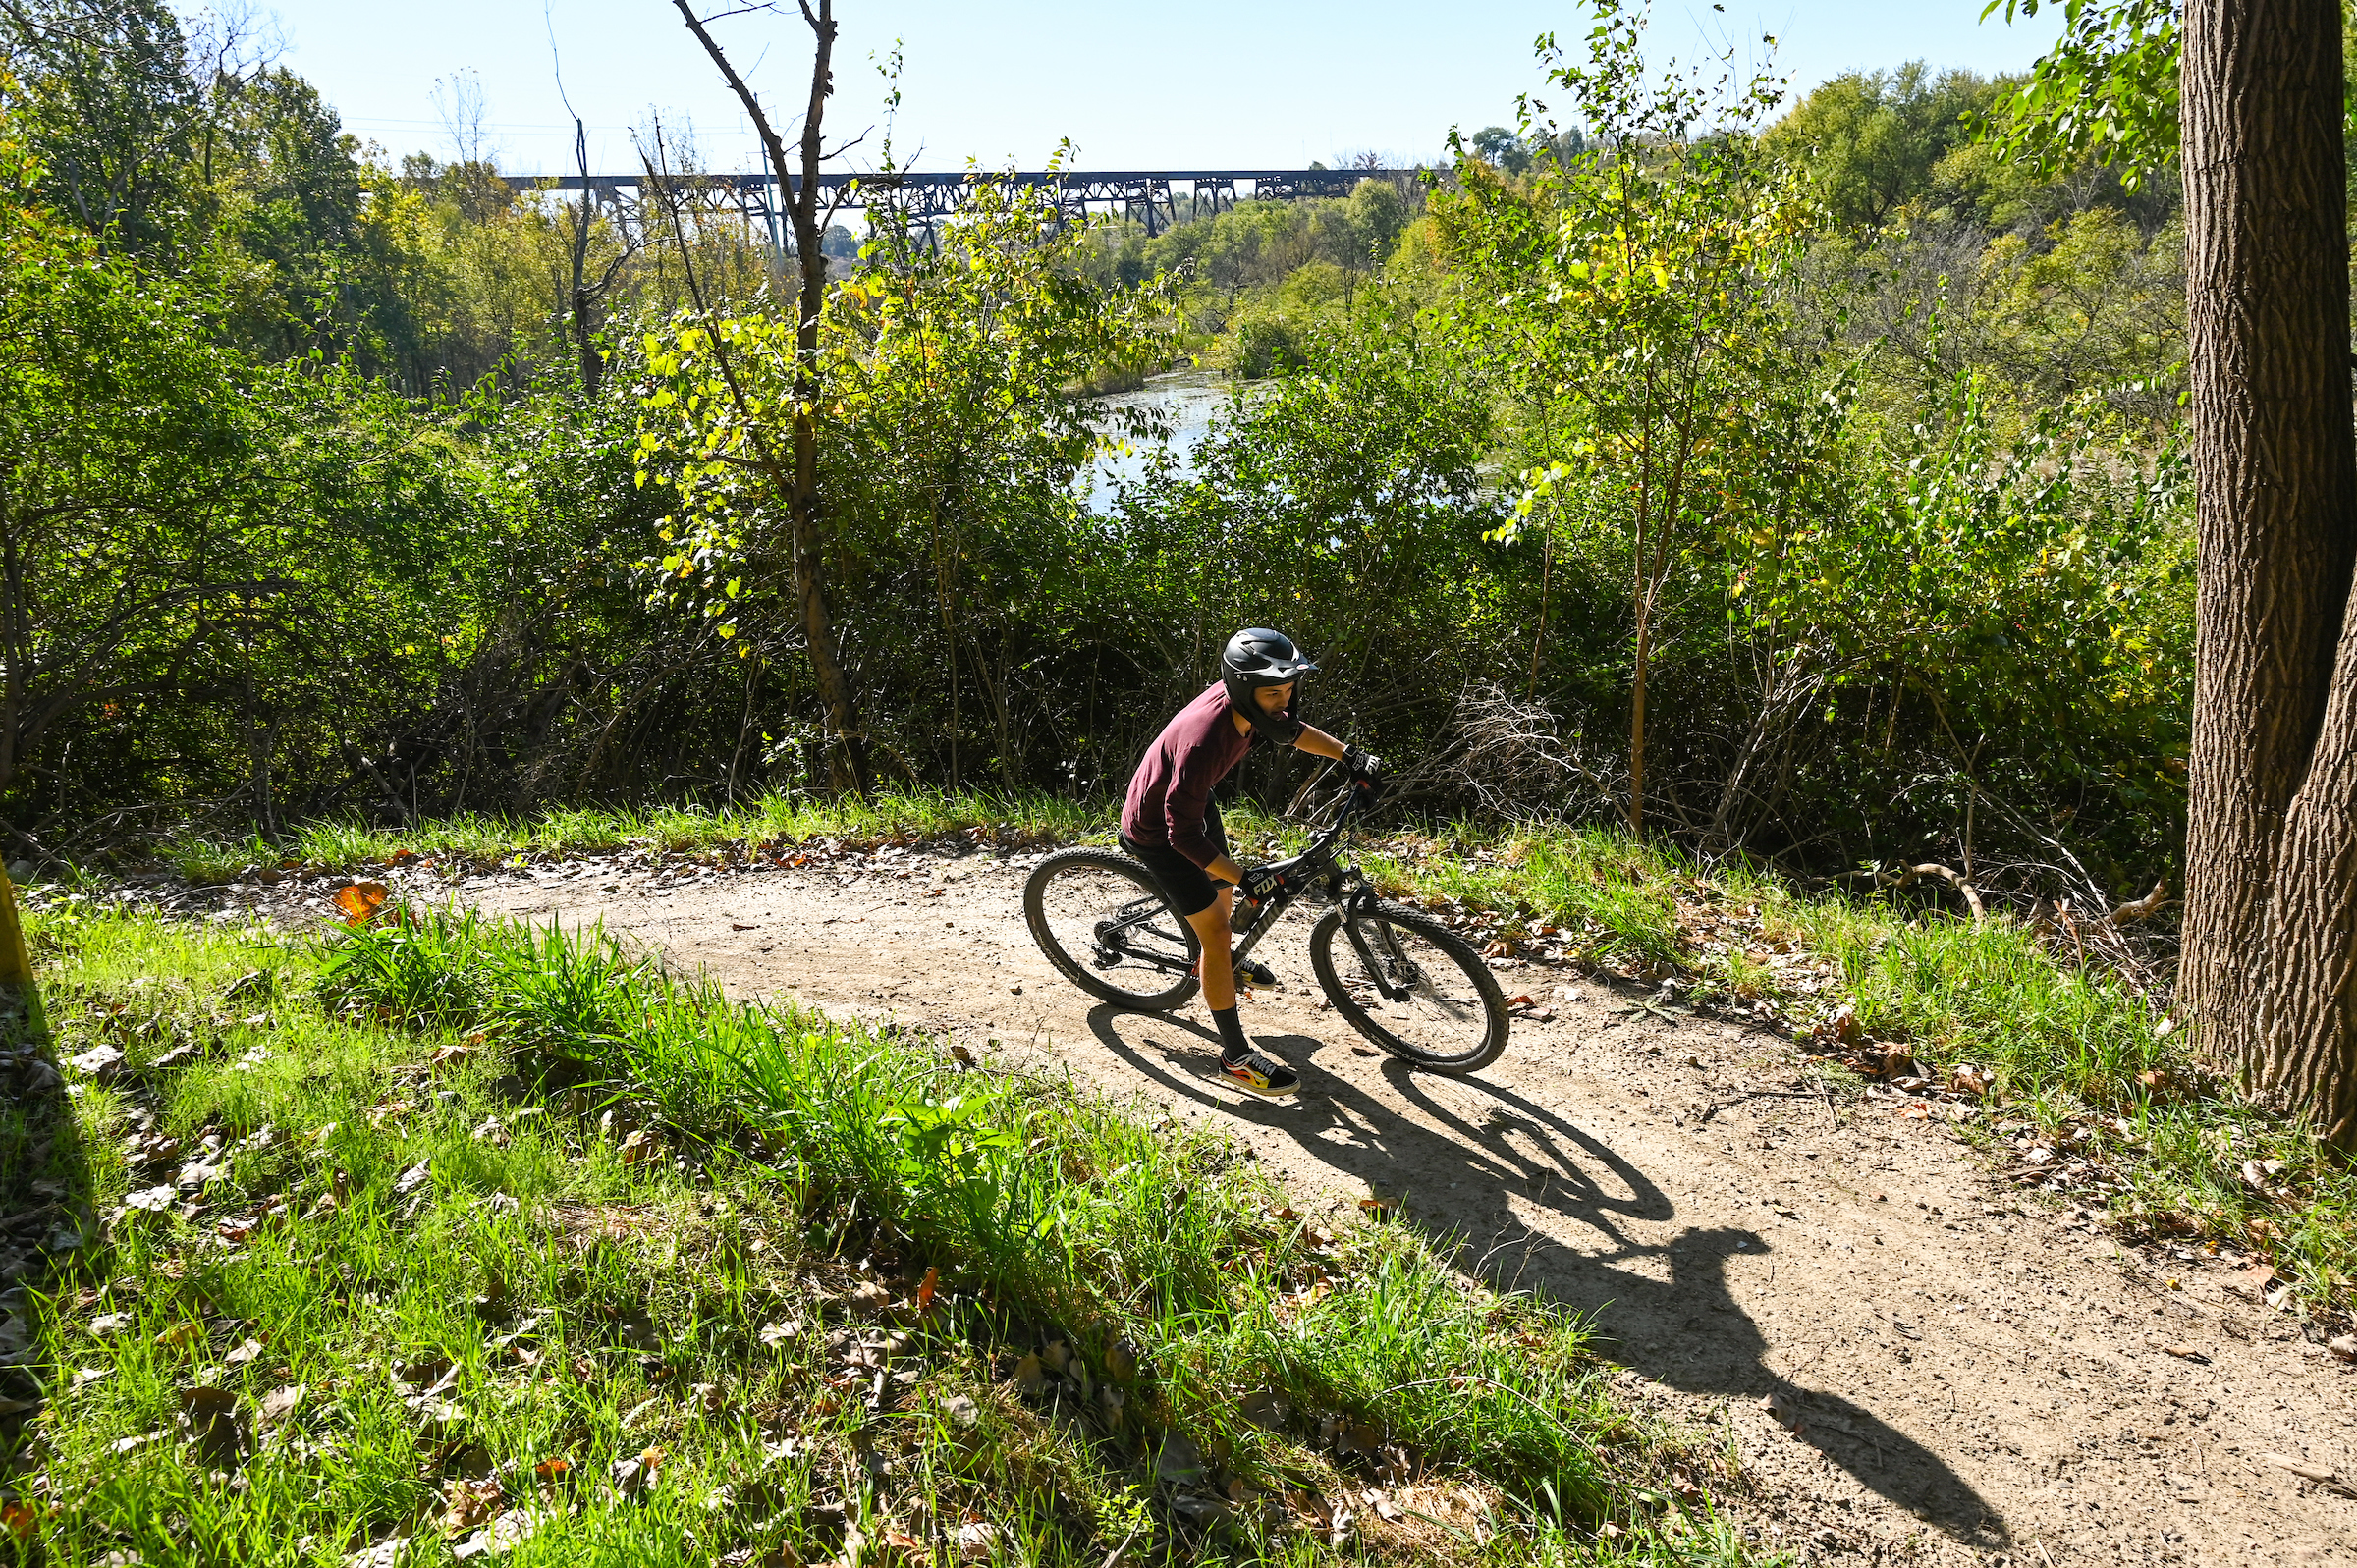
x: 1958, y: 1381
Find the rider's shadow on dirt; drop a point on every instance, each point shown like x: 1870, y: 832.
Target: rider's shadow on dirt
x: 1686, y: 1331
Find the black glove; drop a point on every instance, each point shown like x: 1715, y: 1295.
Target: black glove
x: 1363, y: 764
x: 1259, y: 882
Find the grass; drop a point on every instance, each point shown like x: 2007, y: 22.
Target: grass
x: 774, y: 821
x: 483, y: 1230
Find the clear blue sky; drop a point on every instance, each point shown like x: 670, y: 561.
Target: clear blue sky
x: 1219, y: 83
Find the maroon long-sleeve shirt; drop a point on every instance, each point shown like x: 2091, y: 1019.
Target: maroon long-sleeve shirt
x: 1175, y: 778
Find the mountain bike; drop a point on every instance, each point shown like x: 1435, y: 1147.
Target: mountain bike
x: 1400, y: 977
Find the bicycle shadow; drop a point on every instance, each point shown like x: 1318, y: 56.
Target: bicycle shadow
x: 1455, y: 1180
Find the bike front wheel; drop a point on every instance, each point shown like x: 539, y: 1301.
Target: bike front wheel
x: 1412, y: 987
x: 1108, y: 928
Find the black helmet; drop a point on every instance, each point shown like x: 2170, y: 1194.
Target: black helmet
x: 1257, y: 657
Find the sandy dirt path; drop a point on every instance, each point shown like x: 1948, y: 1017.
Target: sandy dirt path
x: 1912, y: 1368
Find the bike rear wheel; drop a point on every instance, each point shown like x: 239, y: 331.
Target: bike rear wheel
x: 1450, y: 1015
x: 1108, y: 928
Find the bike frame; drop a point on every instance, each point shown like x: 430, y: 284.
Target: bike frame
x: 1317, y: 868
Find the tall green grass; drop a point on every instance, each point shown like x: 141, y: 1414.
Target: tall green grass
x: 1120, y: 1234
x: 383, y: 1211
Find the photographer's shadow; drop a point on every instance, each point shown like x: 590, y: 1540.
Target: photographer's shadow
x: 1456, y: 1179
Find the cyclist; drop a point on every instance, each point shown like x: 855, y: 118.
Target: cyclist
x: 1170, y: 825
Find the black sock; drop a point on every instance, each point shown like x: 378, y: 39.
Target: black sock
x: 1233, y: 1047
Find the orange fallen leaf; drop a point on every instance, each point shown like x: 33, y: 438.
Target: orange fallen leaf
x: 924, y: 1290
x: 360, y: 901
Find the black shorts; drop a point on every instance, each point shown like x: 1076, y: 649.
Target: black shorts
x: 1189, y: 885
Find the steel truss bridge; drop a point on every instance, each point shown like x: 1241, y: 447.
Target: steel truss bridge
x: 1150, y: 196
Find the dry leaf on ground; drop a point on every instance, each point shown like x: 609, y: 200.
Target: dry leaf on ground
x: 360, y: 901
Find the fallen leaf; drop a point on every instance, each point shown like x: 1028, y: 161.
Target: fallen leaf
x: 1029, y: 1374
x: 1840, y: 1028
x: 2186, y: 1353
x: 925, y: 1288
x: 905, y: 1547
x: 777, y: 1333
x: 1179, y: 1464
x: 502, y: 1535
x: 278, y: 1406
x: 99, y: 1061
x: 360, y: 901
x: 640, y: 1147
x: 244, y: 1353
x: 870, y: 1297
x: 467, y: 1503
x: 415, y: 1176
x: 976, y: 1540
x: 2344, y: 1347
x: 1267, y: 1410
x: 182, y: 1335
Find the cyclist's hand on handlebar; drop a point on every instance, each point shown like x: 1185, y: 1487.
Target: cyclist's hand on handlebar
x: 1363, y: 764
x: 1259, y: 882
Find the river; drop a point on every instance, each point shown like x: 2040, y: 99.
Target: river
x: 1188, y: 400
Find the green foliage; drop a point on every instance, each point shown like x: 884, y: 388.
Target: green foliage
x: 1624, y: 289
x: 383, y: 556
x: 2107, y: 91
x: 1871, y: 141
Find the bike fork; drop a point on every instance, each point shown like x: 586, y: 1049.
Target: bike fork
x: 1376, y: 970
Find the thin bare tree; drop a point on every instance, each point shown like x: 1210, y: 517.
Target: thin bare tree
x: 798, y: 483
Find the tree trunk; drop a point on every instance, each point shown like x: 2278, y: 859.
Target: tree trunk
x: 2271, y: 936
x: 585, y: 332
x: 847, y: 753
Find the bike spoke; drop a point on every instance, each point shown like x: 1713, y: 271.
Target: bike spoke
x: 1131, y: 944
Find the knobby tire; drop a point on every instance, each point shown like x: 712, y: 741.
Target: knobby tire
x: 1077, y: 967
x: 1327, y: 933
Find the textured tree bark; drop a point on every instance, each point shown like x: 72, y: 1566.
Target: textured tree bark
x: 846, y: 750
x: 2272, y: 843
